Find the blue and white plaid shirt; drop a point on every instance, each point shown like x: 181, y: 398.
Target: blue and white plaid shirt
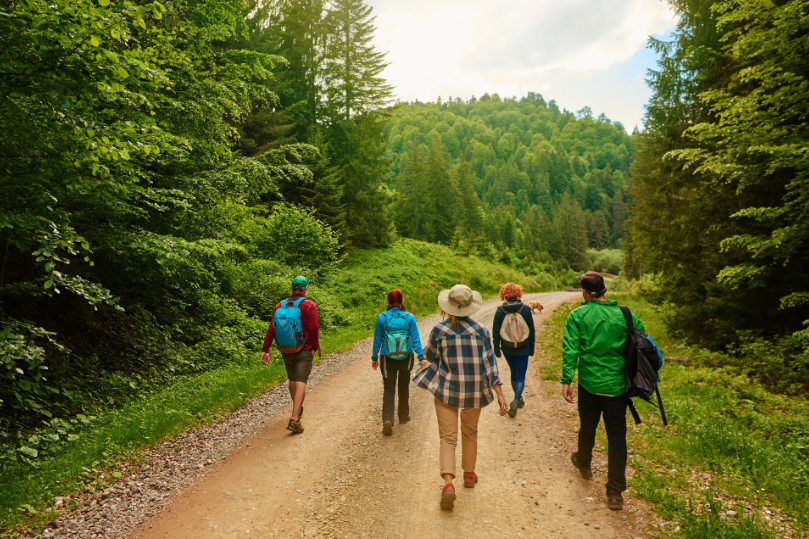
x: 463, y: 369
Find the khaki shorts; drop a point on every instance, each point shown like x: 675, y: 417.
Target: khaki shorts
x: 298, y: 365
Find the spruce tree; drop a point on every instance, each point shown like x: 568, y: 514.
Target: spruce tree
x: 618, y: 215
x: 352, y: 65
x: 444, y: 192
x: 325, y: 192
x: 472, y: 208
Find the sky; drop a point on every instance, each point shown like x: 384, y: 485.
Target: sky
x: 578, y: 52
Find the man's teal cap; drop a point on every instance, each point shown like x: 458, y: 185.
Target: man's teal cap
x: 300, y: 282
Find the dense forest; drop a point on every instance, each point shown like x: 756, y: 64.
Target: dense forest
x: 519, y: 178
x: 166, y: 168
x: 720, y: 182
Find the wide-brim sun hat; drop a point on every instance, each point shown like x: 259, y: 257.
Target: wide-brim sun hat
x: 460, y: 300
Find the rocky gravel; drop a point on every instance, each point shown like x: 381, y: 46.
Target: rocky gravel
x: 178, y: 462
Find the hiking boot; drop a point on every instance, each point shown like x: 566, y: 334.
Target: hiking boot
x: 387, y: 428
x: 521, y: 404
x: 448, y: 497
x: 614, y: 500
x: 403, y: 420
x: 295, y: 426
x: 470, y: 479
x: 585, y: 471
x: 512, y: 408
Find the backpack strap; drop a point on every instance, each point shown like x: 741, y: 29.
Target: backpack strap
x: 295, y: 302
x: 633, y: 410
x: 627, y: 317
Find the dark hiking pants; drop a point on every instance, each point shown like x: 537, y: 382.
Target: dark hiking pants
x: 396, y: 372
x: 591, y: 408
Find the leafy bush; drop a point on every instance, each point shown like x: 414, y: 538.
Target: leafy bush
x: 606, y: 260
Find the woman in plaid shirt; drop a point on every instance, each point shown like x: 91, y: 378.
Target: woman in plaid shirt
x: 462, y: 374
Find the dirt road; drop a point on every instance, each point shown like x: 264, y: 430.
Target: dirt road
x: 343, y: 479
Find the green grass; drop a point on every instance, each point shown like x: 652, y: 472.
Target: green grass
x: 730, y: 445
x: 114, y: 442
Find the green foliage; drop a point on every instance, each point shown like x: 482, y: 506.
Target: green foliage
x: 606, y: 261
x: 720, y: 181
x: 131, y: 215
x: 514, y: 161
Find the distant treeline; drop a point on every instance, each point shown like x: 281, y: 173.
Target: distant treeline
x: 518, y: 177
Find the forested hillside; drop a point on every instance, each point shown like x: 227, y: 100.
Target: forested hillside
x: 719, y: 184
x: 537, y: 183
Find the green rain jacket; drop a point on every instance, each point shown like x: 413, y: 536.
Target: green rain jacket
x: 595, y: 341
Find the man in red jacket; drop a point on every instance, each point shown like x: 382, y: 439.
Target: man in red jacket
x: 299, y: 364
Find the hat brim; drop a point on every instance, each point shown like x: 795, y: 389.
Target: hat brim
x: 452, y: 308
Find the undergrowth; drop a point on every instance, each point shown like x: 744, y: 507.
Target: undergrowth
x: 732, y: 462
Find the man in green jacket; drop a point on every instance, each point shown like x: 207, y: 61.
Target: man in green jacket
x: 594, y: 342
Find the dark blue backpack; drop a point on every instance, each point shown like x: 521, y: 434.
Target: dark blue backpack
x: 643, y: 360
x: 286, y: 323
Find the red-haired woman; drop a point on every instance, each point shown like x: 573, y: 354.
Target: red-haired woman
x: 514, y: 333
x: 397, y: 336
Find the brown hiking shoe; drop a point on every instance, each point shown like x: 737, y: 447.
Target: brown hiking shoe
x: 585, y: 471
x: 387, y: 428
x: 614, y: 500
x: 448, y: 497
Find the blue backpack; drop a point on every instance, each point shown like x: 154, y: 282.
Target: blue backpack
x: 396, y: 334
x: 286, y: 323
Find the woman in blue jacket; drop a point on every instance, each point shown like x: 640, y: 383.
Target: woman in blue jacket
x: 397, y: 337
x: 521, y: 345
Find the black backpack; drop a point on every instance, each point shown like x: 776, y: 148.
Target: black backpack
x: 642, y: 364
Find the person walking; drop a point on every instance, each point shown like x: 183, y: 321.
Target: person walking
x: 514, y: 334
x: 462, y: 373
x: 594, y: 342
x: 295, y: 329
x: 397, y: 337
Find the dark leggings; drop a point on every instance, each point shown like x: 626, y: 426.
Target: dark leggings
x: 518, y: 366
x: 591, y: 408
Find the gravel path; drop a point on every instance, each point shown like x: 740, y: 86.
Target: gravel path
x: 248, y: 477
x: 118, y: 510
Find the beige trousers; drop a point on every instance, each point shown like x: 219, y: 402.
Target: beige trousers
x: 448, y: 431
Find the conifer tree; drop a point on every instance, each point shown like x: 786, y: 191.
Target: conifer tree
x: 325, y: 192
x: 572, y: 230
x: 472, y: 209
x: 618, y: 215
x: 352, y: 65
x: 444, y: 193
x: 414, y: 208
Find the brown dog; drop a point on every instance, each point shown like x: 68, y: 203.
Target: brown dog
x: 535, y: 305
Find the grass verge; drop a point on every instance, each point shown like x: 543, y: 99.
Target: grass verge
x: 421, y: 270
x: 731, y: 464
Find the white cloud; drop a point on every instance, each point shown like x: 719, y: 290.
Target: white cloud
x: 512, y: 47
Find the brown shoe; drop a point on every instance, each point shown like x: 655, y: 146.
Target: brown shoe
x: 387, y: 428
x: 614, y: 500
x: 585, y: 471
x: 448, y: 497
x: 470, y: 479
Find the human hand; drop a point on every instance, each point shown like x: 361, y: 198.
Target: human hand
x: 374, y: 365
x: 422, y: 363
x: 501, y: 401
x: 265, y: 357
x: 567, y: 393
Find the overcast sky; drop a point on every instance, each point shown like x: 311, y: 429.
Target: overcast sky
x: 579, y: 52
